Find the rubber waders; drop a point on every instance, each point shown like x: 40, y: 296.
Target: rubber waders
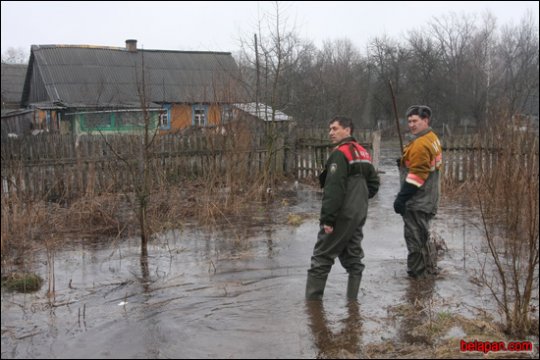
x: 315, y: 288
x: 353, y: 285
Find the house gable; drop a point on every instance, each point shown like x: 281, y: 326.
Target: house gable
x: 87, y: 76
x: 12, y: 85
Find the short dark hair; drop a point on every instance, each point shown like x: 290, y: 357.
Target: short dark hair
x: 423, y: 111
x: 343, y: 121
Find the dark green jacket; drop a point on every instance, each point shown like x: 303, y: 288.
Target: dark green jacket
x: 347, y: 187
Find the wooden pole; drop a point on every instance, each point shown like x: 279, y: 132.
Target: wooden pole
x: 396, y: 115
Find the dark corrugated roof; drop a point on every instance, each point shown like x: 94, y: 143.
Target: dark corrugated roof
x: 12, y: 83
x: 105, y: 76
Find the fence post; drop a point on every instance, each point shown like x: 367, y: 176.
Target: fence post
x: 375, y: 148
x: 290, y: 149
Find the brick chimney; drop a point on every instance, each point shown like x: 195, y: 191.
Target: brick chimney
x: 131, y: 45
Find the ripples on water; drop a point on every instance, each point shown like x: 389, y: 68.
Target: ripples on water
x: 236, y: 292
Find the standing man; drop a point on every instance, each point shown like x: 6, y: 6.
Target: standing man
x: 349, y: 179
x: 418, y: 197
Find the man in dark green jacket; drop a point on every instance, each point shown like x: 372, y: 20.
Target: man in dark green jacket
x: 349, y: 180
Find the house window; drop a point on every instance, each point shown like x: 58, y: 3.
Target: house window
x: 200, y: 115
x: 165, y: 118
x: 127, y: 119
x: 96, y: 121
x: 48, y: 120
x: 226, y: 114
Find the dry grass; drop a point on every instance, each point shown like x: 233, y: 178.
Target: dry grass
x: 27, y: 227
x: 508, y: 199
x: 294, y: 219
x: 506, y: 194
x: 225, y: 185
x: 96, y: 216
x: 431, y: 338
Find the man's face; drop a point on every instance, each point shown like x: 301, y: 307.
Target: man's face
x: 417, y: 124
x: 338, y: 133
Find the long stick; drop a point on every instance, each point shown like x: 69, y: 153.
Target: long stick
x: 396, y: 115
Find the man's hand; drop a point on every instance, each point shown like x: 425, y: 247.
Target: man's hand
x: 407, y: 191
x: 328, y: 229
x: 399, y: 206
x: 322, y: 178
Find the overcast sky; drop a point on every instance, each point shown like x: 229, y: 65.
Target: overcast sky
x: 218, y: 26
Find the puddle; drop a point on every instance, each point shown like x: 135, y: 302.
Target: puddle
x: 236, y: 292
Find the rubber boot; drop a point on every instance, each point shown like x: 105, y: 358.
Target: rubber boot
x: 315, y: 288
x: 353, y: 285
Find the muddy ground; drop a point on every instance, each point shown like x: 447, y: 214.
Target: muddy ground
x: 238, y: 292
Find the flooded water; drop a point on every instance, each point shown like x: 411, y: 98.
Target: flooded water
x: 236, y: 292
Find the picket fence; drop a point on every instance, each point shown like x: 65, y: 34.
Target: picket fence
x: 54, y: 166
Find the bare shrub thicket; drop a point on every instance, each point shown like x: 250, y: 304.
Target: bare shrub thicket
x: 231, y: 178
x: 26, y: 224
x: 21, y: 225
x: 507, y: 195
x: 216, y: 183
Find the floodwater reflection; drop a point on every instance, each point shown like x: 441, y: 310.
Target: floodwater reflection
x: 235, y: 292
x: 419, y: 310
x: 341, y: 344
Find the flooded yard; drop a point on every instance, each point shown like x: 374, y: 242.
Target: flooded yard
x: 238, y: 291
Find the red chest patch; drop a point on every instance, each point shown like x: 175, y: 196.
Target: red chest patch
x: 355, y: 153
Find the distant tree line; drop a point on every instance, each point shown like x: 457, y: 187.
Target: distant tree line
x: 15, y: 56
x: 465, y: 68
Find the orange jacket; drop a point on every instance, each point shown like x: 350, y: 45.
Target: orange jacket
x: 422, y: 156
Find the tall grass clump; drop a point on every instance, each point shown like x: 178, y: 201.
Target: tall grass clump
x: 507, y: 197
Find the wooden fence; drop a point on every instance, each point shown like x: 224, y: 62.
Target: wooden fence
x: 61, y: 166
x: 313, y: 149
x: 467, y: 158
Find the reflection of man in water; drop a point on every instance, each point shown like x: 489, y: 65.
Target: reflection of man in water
x: 418, y: 297
x: 345, y: 343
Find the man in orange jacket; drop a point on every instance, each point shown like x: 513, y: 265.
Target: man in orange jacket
x: 418, y: 198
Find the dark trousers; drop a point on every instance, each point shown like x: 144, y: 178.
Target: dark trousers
x: 421, y: 260
x: 345, y: 242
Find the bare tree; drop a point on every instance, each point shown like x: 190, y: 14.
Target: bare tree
x: 388, y: 59
x: 518, y: 63
x: 15, y: 56
x: 423, y: 71
x: 269, y: 56
x: 138, y: 165
x: 454, y: 36
x: 484, y: 53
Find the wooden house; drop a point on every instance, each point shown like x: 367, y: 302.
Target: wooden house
x: 15, y: 121
x: 12, y: 85
x: 84, y: 89
x: 260, y: 116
